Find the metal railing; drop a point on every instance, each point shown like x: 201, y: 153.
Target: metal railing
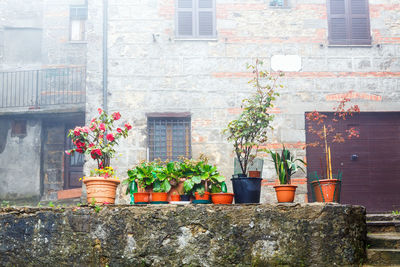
x: 44, y: 87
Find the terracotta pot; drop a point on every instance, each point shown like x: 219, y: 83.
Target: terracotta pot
x: 159, y: 196
x: 326, y: 190
x: 206, y: 196
x: 222, y: 198
x: 285, y: 192
x: 255, y: 174
x: 178, y: 189
x: 175, y: 197
x: 142, y: 197
x: 100, y: 189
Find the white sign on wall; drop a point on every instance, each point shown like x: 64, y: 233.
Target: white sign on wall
x: 286, y: 63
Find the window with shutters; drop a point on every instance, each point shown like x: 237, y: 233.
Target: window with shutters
x: 279, y: 3
x: 348, y: 22
x: 169, y: 137
x: 195, y: 19
x: 78, y: 16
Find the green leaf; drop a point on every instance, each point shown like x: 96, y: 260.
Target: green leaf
x: 196, y: 179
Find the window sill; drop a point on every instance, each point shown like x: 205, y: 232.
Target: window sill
x: 197, y: 39
x: 351, y: 46
x: 78, y: 42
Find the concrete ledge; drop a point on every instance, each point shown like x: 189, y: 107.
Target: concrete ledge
x: 176, y: 235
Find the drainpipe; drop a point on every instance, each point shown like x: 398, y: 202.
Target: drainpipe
x: 105, y: 56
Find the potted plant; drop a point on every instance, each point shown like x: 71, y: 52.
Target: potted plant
x: 199, y: 181
x: 98, y: 140
x: 140, y: 181
x: 175, y: 196
x: 325, y: 186
x: 250, y: 130
x: 188, y: 168
x: 161, y: 184
x: 285, y: 166
x: 219, y: 194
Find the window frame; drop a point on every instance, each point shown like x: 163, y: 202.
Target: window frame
x: 82, y: 22
x: 286, y: 5
x: 195, y: 23
x: 169, y: 116
x: 349, y: 41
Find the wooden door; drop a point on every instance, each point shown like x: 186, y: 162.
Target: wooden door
x: 73, y: 167
x: 370, y: 163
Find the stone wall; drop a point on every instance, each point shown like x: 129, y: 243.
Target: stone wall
x: 20, y: 161
x: 194, y: 235
x: 152, y: 71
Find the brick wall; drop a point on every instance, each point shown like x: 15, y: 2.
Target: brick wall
x: 151, y: 71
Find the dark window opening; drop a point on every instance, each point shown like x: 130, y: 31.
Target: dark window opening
x: 348, y: 22
x: 169, y: 137
x: 18, y: 128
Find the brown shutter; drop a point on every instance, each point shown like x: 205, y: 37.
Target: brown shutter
x: 337, y: 22
x: 359, y: 22
x: 348, y: 22
x: 185, y: 25
x: 206, y: 18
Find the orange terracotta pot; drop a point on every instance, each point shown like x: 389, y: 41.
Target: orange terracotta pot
x: 255, y: 174
x: 206, y: 196
x: 175, y: 197
x: 285, y: 192
x: 159, y: 196
x: 222, y: 198
x: 328, y: 188
x: 141, y: 197
x: 100, y: 189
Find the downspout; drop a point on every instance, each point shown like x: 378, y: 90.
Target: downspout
x: 105, y: 55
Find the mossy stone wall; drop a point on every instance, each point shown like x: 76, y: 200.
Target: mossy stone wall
x: 195, y: 235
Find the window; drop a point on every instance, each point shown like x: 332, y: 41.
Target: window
x: 348, y: 22
x: 78, y: 16
x: 18, y: 128
x: 169, y: 137
x: 279, y: 3
x: 195, y: 19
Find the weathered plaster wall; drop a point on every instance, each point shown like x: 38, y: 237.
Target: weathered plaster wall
x: 194, y: 235
x: 151, y: 71
x: 20, y: 162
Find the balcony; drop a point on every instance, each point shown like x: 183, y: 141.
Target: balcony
x: 43, y: 89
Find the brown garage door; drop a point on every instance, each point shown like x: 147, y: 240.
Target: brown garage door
x: 370, y: 163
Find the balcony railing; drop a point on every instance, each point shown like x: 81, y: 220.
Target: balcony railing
x: 44, y: 87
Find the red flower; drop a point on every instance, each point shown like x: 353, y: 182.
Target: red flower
x: 77, y: 132
x: 116, y: 116
x: 99, y: 110
x: 79, y: 144
x: 128, y: 126
x: 95, y: 153
x: 119, y: 130
x: 102, y: 127
x: 110, y: 137
x: 91, y: 145
x: 67, y: 152
x: 79, y: 150
x: 85, y: 129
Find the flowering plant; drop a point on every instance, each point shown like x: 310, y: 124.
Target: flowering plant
x: 328, y: 130
x: 98, y: 140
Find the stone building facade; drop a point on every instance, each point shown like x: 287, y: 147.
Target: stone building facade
x: 153, y: 69
x: 42, y: 77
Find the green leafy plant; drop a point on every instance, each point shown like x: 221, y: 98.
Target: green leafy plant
x: 51, y: 204
x: 250, y: 130
x: 203, y: 173
x: 285, y: 164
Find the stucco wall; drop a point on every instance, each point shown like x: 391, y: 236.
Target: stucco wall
x: 20, y: 162
x: 151, y: 71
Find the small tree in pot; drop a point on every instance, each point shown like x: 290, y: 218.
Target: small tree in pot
x: 250, y: 131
